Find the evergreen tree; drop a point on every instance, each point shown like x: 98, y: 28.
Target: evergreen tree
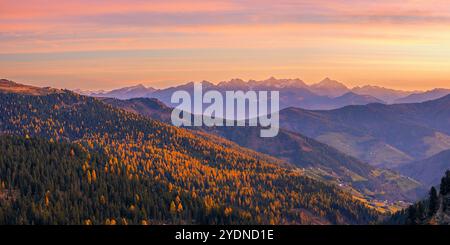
x: 421, y: 213
x: 445, y: 183
x: 412, y: 215
x: 433, y: 205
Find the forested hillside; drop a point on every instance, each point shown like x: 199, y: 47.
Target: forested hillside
x: 320, y: 160
x: 194, y: 180
x: 44, y: 182
x: 435, y: 210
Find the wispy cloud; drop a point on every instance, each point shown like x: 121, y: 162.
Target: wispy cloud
x: 333, y: 35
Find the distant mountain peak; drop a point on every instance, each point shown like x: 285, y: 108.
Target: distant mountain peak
x: 134, y: 91
x: 232, y: 82
x: 385, y: 94
x: 295, y: 82
x: 283, y: 83
x: 440, y: 90
x: 352, y: 94
x: 329, y: 87
x: 271, y: 79
x: 327, y: 82
x: 270, y: 82
x: 207, y: 83
x: 140, y: 85
x: 376, y: 88
x: 351, y: 98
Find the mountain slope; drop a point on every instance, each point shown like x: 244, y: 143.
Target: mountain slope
x: 327, y: 163
x: 8, y: 86
x: 429, y: 170
x: 234, y: 185
x: 69, y: 186
x: 351, y: 98
x: 385, y: 135
x: 435, y: 210
x: 424, y: 96
x: 150, y: 107
x: 385, y: 94
x: 304, y: 152
x: 127, y: 92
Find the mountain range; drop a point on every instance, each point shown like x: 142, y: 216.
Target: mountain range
x: 424, y: 96
x: 383, y: 135
x: 63, y: 151
x: 126, y: 93
x: 388, y: 136
x: 390, y: 96
x: 345, y: 152
x: 324, y: 95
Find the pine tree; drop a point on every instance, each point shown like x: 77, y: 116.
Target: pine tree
x: 434, y: 202
x: 412, y: 215
x: 445, y: 184
x: 445, y: 188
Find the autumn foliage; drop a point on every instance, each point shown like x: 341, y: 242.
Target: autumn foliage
x: 121, y: 168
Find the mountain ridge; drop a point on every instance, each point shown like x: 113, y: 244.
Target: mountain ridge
x: 293, y: 92
x: 424, y: 96
x: 429, y: 170
x: 8, y: 86
x: 330, y: 88
x: 316, y: 96
x: 408, y: 131
x: 385, y: 94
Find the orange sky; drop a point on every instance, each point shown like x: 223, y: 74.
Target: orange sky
x: 107, y: 44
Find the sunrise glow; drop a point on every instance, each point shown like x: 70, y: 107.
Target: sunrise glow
x: 106, y: 44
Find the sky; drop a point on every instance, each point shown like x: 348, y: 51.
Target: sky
x: 105, y: 44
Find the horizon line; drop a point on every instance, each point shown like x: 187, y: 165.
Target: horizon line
x: 147, y: 85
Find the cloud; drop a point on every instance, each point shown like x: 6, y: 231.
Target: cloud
x: 48, y: 9
x: 338, y: 35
